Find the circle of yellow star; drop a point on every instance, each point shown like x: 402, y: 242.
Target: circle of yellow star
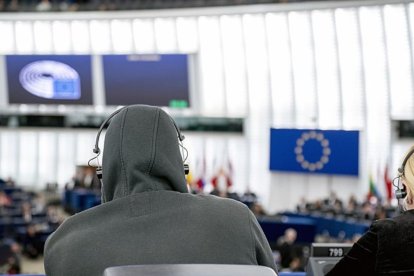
x: 326, y: 151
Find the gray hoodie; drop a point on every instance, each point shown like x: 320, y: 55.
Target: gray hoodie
x: 147, y: 215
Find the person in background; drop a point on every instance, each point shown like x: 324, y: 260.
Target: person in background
x: 9, y: 257
x: 32, y: 244
x: 380, y: 213
x: 303, y: 206
x: 10, y: 182
x: 14, y: 261
x: 290, y: 254
x: 4, y: 200
x: 258, y: 210
x: 44, y: 6
x: 331, y: 200
x: 249, y: 197
x: 351, y: 207
x: 386, y: 249
x: 26, y: 211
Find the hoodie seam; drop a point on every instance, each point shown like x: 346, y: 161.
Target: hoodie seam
x: 251, y: 235
x: 125, y: 186
x: 154, y: 140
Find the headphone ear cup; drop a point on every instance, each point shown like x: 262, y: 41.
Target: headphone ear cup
x: 99, y: 173
x: 400, y: 193
x: 186, y: 169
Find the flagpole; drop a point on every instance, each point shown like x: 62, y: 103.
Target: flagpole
x: 330, y: 183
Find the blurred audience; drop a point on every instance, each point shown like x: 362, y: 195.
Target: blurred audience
x: 367, y: 210
x: 32, y: 243
x: 4, y: 200
x: 10, y: 259
x: 27, y: 220
x: 103, y: 5
x: 44, y: 6
x: 85, y: 178
x: 257, y: 209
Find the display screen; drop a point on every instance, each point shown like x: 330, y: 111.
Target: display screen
x: 161, y: 80
x: 49, y: 79
x: 330, y: 249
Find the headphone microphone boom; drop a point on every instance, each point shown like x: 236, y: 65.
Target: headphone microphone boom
x: 97, y: 150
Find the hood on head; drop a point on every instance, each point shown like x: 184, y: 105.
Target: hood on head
x: 141, y: 154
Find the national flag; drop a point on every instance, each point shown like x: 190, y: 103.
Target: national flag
x: 373, y: 191
x: 229, y: 173
x: 388, y: 183
x: 315, y: 151
x: 224, y: 175
x: 380, y: 183
x: 189, y: 178
x: 221, y: 176
x: 201, y: 170
x: 201, y: 183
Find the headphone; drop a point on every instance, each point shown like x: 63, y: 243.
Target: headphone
x: 401, y: 193
x: 97, y: 150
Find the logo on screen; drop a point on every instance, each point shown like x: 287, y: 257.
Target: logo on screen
x: 51, y: 80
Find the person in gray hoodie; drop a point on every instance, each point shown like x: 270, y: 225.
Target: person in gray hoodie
x: 147, y: 215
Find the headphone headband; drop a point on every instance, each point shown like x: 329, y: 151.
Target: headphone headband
x: 401, y: 169
x: 97, y: 150
x: 103, y: 125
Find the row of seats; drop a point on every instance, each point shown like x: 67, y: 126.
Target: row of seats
x: 332, y: 226
x: 78, y: 200
x: 26, y: 221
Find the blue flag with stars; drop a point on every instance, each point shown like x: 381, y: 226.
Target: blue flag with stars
x: 315, y: 151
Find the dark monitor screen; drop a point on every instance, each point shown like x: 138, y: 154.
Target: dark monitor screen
x: 320, y: 266
x: 405, y: 129
x: 49, y: 79
x: 161, y: 80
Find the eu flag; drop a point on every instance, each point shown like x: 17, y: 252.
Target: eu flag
x: 314, y: 151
